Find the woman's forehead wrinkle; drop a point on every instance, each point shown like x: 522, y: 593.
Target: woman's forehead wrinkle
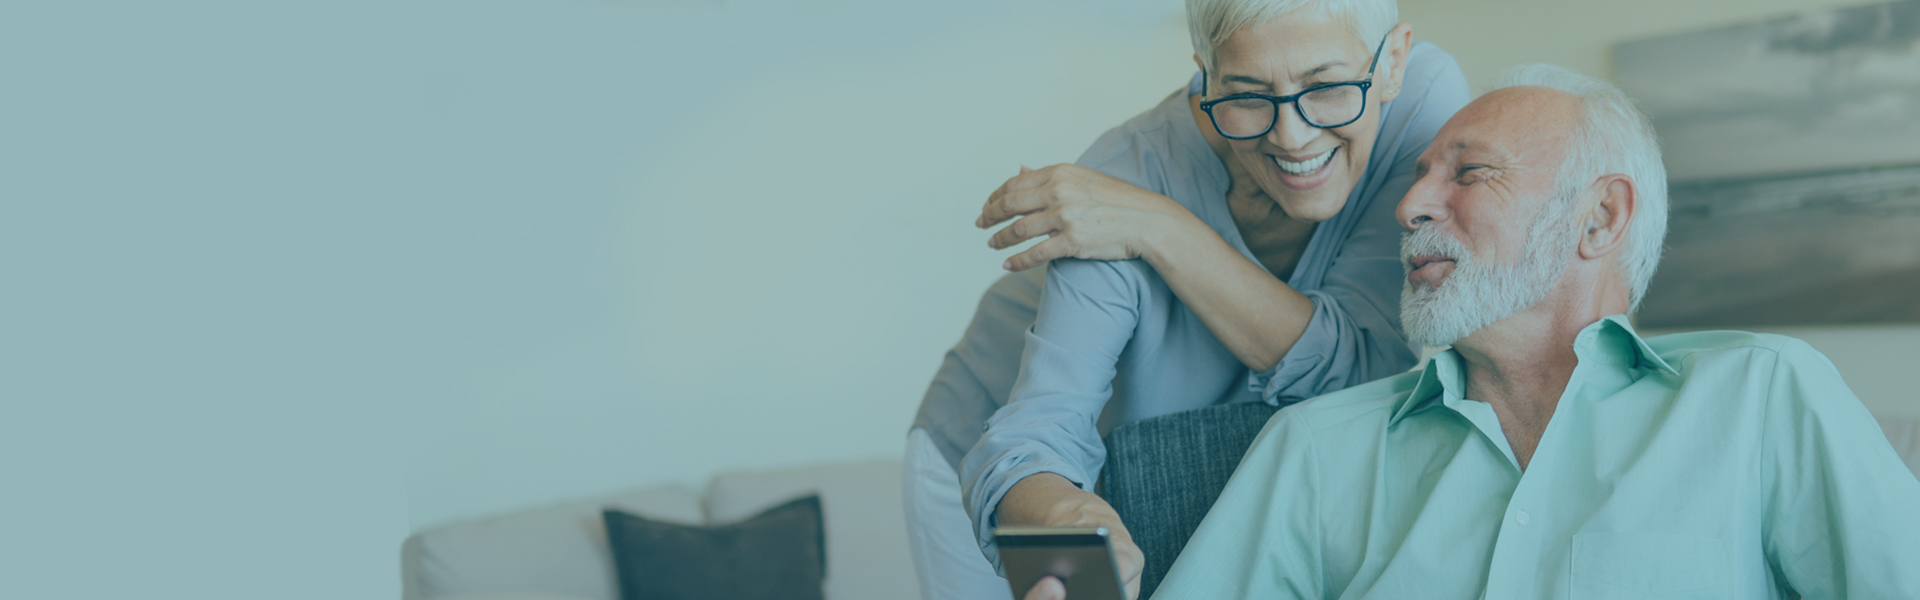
x: 1270, y: 56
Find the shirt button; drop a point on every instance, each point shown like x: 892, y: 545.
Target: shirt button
x: 1522, y: 518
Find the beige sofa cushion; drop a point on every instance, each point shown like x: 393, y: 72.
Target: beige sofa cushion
x: 559, y: 549
x: 1904, y: 433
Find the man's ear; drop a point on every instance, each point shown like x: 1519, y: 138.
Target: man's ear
x: 1609, y: 216
x: 1392, y: 70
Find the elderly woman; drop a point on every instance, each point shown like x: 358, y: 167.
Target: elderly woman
x: 1235, y: 243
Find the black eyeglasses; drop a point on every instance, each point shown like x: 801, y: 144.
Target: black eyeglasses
x: 1327, y: 105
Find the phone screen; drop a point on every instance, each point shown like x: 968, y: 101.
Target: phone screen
x: 1081, y: 558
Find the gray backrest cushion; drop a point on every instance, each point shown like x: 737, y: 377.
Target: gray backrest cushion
x: 1163, y: 474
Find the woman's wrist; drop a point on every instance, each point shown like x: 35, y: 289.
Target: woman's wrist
x: 1049, y: 500
x: 1173, y: 239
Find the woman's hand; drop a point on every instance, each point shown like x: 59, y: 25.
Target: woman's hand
x: 1049, y: 500
x: 1083, y: 212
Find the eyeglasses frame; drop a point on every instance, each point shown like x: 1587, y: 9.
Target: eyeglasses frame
x: 1276, y: 101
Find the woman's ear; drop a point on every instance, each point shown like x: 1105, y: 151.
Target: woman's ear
x: 1393, y: 67
x: 1203, y: 74
x: 1605, y: 229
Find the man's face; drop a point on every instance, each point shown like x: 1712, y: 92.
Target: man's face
x: 1489, y: 234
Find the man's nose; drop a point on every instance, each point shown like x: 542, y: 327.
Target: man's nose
x: 1423, y: 204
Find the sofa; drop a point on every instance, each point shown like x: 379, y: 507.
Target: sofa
x: 559, y: 551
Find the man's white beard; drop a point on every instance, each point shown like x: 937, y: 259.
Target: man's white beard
x: 1477, y: 293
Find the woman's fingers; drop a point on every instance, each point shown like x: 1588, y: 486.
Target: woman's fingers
x: 1048, y: 588
x: 1039, y: 254
x: 995, y: 210
x: 1021, y: 194
x: 1028, y: 227
x: 1132, y: 563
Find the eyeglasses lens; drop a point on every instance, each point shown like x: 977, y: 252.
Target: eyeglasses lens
x: 1325, y: 107
x: 1331, y: 106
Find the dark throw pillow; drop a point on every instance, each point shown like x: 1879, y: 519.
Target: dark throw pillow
x: 779, y: 554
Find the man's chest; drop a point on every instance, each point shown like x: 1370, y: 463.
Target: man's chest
x: 1629, y: 499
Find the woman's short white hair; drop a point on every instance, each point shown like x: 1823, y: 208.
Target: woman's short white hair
x: 1211, y: 22
x: 1613, y: 137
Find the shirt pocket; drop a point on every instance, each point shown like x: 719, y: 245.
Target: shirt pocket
x: 1649, y: 566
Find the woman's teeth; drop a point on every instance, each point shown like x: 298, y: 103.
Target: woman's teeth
x: 1303, y: 167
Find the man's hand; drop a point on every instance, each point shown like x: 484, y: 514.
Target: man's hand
x: 1084, y: 214
x: 1049, y: 500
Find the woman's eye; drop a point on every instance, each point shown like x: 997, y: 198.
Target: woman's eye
x: 1469, y: 174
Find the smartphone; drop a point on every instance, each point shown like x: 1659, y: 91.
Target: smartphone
x: 1081, y: 558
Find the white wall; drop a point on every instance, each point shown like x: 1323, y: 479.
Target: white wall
x: 701, y: 237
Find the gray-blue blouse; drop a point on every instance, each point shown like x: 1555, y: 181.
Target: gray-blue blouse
x: 1101, y: 343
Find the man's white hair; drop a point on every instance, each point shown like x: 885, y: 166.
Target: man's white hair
x: 1211, y: 22
x: 1613, y: 136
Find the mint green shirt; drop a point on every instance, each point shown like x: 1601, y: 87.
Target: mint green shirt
x: 1702, y: 465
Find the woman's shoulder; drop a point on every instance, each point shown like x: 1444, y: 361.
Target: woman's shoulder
x: 1135, y: 150
x: 1162, y: 151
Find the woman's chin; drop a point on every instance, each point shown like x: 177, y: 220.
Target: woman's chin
x: 1313, y: 211
x: 1314, y: 206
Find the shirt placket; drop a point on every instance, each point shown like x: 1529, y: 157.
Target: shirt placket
x: 1516, y: 551
x: 1514, y: 569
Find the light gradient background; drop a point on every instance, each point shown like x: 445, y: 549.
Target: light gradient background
x: 282, y: 282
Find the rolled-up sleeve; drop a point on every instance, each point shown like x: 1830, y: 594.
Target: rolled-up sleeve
x: 1087, y: 315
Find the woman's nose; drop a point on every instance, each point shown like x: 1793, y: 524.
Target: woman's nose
x: 1290, y: 132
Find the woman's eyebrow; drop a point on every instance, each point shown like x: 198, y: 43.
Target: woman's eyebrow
x: 1246, y: 80
x: 1321, y: 69
x: 1309, y: 74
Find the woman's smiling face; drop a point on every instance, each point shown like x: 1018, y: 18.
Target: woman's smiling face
x: 1309, y: 171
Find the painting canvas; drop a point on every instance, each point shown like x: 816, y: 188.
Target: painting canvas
x: 1793, y: 154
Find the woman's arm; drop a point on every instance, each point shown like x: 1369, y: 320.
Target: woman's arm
x: 1255, y: 315
x: 1044, y: 441
x: 1090, y: 215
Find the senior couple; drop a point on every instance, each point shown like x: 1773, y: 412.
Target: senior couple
x: 1319, y: 198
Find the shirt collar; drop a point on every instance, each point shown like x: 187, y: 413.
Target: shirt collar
x: 1610, y: 341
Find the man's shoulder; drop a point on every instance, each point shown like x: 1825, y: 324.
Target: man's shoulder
x: 1367, y: 403
x: 1677, y: 348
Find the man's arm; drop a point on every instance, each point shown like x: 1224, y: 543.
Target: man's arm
x: 1842, y: 512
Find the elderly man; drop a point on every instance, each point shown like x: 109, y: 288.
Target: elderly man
x: 1552, y: 452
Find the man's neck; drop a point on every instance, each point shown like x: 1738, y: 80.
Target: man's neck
x: 1521, y: 364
